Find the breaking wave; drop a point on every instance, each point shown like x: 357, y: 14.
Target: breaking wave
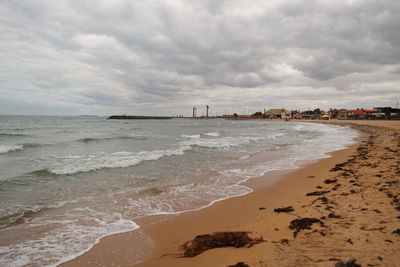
x: 99, y: 139
x: 10, y: 148
x: 74, y: 164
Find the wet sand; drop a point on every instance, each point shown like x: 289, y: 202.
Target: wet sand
x: 351, y: 201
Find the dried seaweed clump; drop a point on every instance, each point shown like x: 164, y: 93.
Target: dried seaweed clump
x: 330, y: 181
x: 239, y: 264
x: 351, y: 263
x: 287, y: 209
x: 302, y: 224
x: 202, y: 243
x: 317, y: 193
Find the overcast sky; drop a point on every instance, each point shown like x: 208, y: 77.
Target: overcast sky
x: 164, y: 57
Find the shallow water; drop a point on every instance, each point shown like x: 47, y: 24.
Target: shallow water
x: 66, y: 182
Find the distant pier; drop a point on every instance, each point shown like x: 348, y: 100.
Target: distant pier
x: 128, y: 117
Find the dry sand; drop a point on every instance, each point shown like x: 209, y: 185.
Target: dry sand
x: 354, y: 204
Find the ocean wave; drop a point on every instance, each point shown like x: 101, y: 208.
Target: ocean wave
x: 33, y: 145
x: 10, y: 148
x: 18, y: 217
x: 41, y: 172
x: 221, y: 142
x: 214, y: 134
x: 99, y: 139
x: 74, y: 164
x: 194, y: 136
x: 12, y: 135
x: 68, y: 238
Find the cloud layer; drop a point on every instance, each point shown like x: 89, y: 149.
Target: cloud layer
x: 163, y: 57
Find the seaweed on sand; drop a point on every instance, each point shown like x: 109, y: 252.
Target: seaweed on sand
x: 351, y: 263
x: 239, y: 264
x: 317, y: 193
x: 330, y: 181
x: 205, y: 242
x: 286, y: 209
x: 302, y: 224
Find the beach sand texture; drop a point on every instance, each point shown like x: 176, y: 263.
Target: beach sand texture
x: 351, y: 199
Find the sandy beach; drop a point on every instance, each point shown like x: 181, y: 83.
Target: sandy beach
x: 341, y: 210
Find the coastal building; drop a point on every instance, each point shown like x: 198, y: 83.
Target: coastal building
x: 356, y: 114
x: 277, y: 113
x: 333, y: 113
x: 387, y: 112
x: 295, y: 114
x: 308, y: 115
x: 370, y: 113
x: 342, y: 114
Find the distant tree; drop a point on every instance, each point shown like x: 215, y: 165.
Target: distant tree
x: 317, y: 112
x: 257, y: 114
x: 235, y: 115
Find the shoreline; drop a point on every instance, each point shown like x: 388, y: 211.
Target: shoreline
x: 171, y: 231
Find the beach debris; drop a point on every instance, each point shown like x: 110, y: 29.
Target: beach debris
x: 350, y: 241
x: 336, y: 187
x: 303, y: 224
x: 334, y: 216
x: 338, y: 167
x: 317, y: 193
x: 239, y: 264
x: 286, y: 209
x: 324, y: 200
x: 330, y: 181
x: 262, y: 208
x: 350, y: 263
x: 397, y: 231
x: 285, y: 241
x: 205, y: 242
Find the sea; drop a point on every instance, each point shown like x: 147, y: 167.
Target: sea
x: 67, y: 182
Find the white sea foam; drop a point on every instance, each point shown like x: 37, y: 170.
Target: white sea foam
x: 10, y: 148
x: 215, y: 134
x: 194, y: 136
x: 222, y: 142
x: 86, y: 163
x: 66, y: 239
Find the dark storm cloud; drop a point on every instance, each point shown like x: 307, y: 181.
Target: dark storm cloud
x: 165, y: 56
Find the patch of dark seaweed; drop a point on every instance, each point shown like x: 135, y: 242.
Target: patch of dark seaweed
x: 286, y: 209
x: 336, y: 187
x: 205, y: 242
x: 334, y: 216
x: 317, y: 193
x: 239, y: 264
x: 330, y: 181
x: 303, y: 224
x: 350, y: 263
x: 285, y: 241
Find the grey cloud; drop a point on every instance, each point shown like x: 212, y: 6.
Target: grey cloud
x: 125, y: 55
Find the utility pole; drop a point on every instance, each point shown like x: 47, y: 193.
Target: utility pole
x: 194, y: 112
x: 207, y: 110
